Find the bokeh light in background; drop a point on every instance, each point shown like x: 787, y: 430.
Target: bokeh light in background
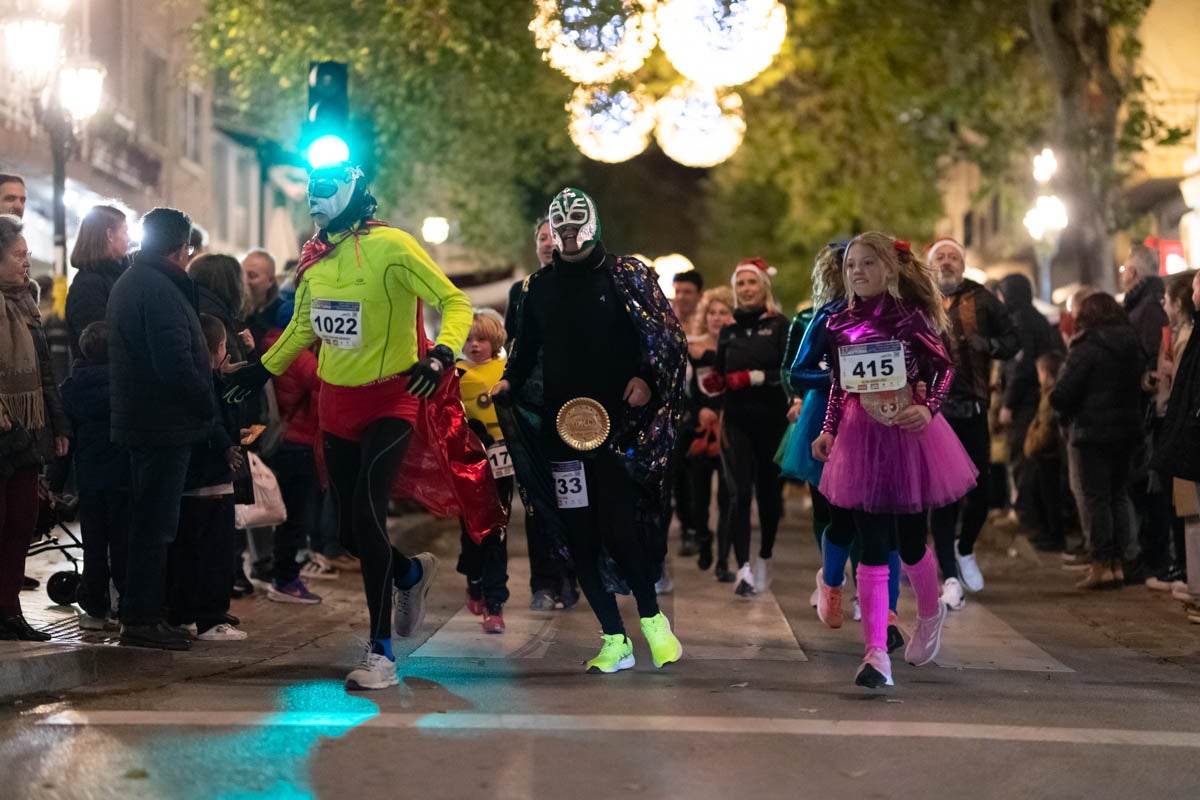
x: 609, y: 125
x: 668, y: 267
x: 721, y: 43
x: 699, y: 127
x: 593, y: 46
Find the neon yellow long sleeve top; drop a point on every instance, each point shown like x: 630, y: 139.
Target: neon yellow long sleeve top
x: 361, y: 300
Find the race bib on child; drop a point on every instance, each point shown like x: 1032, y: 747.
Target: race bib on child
x: 874, y: 367
x: 502, y: 466
x: 338, y: 322
x: 570, y: 485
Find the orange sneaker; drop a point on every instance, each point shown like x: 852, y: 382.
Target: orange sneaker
x: 493, y: 619
x: 829, y: 602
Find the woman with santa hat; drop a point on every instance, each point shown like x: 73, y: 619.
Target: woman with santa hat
x: 749, y: 354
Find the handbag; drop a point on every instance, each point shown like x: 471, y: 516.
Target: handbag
x: 268, y: 509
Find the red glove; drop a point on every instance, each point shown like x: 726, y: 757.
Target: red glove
x: 714, y: 383
x: 737, y: 380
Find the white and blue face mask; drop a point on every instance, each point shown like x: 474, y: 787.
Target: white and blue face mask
x: 330, y: 190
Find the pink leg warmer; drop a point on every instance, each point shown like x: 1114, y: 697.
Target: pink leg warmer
x: 873, y: 597
x: 923, y: 577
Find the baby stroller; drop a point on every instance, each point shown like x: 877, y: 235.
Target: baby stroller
x: 52, y: 534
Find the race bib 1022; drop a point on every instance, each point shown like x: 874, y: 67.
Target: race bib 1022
x: 338, y: 322
x: 874, y: 367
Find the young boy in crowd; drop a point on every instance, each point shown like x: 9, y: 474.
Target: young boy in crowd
x: 486, y: 564
x: 200, y: 557
x: 1045, y: 447
x: 102, y: 478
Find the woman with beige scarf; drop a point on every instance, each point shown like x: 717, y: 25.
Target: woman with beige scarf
x: 33, y: 427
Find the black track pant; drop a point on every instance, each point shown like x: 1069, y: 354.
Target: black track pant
x: 486, y: 564
x: 973, y: 433
x: 198, y: 562
x: 882, y: 533
x: 104, y: 525
x: 700, y: 471
x: 360, y: 479
x: 748, y: 458
x: 610, y: 521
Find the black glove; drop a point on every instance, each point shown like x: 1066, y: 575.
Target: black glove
x: 426, y: 374
x: 245, y: 381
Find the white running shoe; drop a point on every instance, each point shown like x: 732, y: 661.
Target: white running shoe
x: 743, y: 586
x: 318, y: 568
x: 926, y: 638
x: 665, y: 584
x: 374, y: 671
x: 856, y: 609
x: 762, y: 574
x: 223, y: 632
x: 952, y: 594
x: 968, y: 570
x: 408, y: 605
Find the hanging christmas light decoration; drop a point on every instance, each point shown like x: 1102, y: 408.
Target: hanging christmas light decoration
x: 721, y: 42
x: 590, y: 44
x: 610, y: 125
x: 699, y: 127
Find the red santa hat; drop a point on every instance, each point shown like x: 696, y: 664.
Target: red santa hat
x: 945, y: 241
x: 758, y: 265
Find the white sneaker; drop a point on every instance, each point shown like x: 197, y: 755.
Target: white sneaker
x: 223, y: 633
x: 374, y: 671
x: 952, y: 594
x: 968, y: 570
x: 666, y: 584
x: 762, y: 574
x: 318, y: 568
x: 743, y: 585
x: 408, y: 605
x: 89, y: 623
x: 856, y: 610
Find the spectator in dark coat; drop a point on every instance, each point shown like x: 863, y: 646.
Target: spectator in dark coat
x: 101, y: 478
x: 1144, y: 292
x: 162, y: 403
x: 1178, y: 454
x: 1035, y: 336
x: 1099, y: 398
x: 100, y: 256
x: 221, y: 293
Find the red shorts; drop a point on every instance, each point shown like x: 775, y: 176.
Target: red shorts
x: 345, y: 411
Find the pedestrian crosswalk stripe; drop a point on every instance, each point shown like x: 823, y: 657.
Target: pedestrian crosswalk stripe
x: 528, y: 634
x: 603, y: 723
x: 975, y: 638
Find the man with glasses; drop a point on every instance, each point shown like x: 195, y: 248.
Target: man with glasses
x: 162, y: 403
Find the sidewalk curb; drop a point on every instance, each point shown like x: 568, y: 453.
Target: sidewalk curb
x: 35, y: 667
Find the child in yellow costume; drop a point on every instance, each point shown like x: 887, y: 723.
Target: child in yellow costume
x: 486, y: 564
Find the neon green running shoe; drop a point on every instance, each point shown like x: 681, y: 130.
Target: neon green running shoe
x: 614, y: 656
x: 663, y: 645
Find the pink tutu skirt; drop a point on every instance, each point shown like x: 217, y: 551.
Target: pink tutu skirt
x: 885, y: 470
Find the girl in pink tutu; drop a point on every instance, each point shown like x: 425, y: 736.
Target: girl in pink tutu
x: 889, y: 456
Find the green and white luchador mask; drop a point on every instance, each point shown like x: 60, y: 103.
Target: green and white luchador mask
x: 574, y: 224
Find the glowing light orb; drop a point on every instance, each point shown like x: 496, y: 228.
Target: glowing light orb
x: 594, y: 46
x: 699, y: 127
x: 609, y: 125
x: 721, y: 43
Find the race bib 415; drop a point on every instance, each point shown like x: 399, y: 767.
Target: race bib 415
x: 874, y: 367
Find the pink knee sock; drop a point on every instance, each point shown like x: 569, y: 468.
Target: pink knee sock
x: 923, y: 577
x: 873, y: 597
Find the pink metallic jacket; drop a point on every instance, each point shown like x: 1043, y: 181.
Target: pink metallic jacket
x: 884, y: 318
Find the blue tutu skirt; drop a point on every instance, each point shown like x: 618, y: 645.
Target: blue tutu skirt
x: 797, y: 461
x: 885, y: 470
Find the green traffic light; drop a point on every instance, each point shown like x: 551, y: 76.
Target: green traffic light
x: 328, y: 149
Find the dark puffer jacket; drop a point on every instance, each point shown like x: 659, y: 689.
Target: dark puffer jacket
x: 162, y: 392
x: 1144, y: 305
x: 1035, y: 336
x: 1177, y: 448
x: 87, y: 299
x: 100, y: 464
x: 1099, y: 391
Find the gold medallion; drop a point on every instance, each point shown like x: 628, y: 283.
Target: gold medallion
x: 885, y: 406
x: 582, y: 423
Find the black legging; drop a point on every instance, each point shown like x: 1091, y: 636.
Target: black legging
x: 880, y: 534
x: 610, y: 520
x: 973, y: 433
x: 748, y: 458
x: 700, y: 471
x: 360, y: 480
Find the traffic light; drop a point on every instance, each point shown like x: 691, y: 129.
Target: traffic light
x: 327, y: 129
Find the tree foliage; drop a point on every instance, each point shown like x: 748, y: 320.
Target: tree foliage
x: 466, y: 120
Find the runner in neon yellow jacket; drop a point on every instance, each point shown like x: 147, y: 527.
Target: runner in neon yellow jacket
x: 360, y: 284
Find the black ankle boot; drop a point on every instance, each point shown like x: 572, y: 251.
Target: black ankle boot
x: 22, y: 630
x: 705, y: 542
x: 723, y: 573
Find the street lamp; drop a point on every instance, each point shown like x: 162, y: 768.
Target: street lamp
x: 1045, y: 222
x: 65, y: 95
x: 435, y: 230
